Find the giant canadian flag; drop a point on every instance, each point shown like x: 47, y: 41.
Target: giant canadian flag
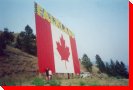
x: 56, y: 45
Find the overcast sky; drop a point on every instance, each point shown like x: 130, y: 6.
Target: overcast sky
x: 100, y: 26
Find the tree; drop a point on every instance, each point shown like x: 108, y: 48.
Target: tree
x: 6, y: 38
x: 117, y: 69
x: 122, y: 70
x: 108, y: 69
x: 100, y: 64
x: 86, y: 62
x: 26, y: 41
x: 113, y: 68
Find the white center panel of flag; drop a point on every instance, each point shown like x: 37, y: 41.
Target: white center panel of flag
x: 61, y: 65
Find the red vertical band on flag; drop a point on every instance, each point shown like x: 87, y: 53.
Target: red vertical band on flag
x: 75, y: 55
x: 44, y: 45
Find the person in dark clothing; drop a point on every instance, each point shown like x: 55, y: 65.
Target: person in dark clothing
x: 47, y: 74
x: 3, y: 84
x: 68, y: 75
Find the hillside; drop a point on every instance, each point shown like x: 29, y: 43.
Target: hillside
x: 17, y: 65
x: 20, y: 68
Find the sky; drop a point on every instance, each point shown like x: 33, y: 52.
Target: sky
x: 100, y: 26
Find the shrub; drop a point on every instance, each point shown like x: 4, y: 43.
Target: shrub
x: 7, y: 83
x: 93, y: 84
x: 81, y: 83
x: 38, y: 82
x: 54, y: 83
x: 119, y: 77
x: 10, y: 84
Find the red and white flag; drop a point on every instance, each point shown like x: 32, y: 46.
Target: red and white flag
x: 1, y: 88
x: 131, y: 1
x: 56, y: 44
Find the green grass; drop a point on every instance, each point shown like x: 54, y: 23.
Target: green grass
x: 93, y: 84
x: 7, y: 83
x: 54, y: 83
x: 39, y: 82
x: 42, y: 82
x: 81, y: 83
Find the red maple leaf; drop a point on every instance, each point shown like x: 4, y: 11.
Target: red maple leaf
x: 63, y: 49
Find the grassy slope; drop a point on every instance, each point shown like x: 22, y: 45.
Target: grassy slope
x: 95, y: 81
x: 20, y: 68
x: 17, y: 66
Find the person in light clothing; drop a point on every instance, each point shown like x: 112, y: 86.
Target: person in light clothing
x: 50, y: 74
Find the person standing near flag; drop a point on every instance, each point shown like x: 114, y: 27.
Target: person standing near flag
x: 50, y: 74
x: 47, y: 74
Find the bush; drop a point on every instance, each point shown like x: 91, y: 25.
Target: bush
x: 10, y: 84
x: 119, y: 77
x: 69, y: 84
x: 93, y: 84
x: 38, y: 82
x: 81, y: 83
x: 54, y: 83
x: 7, y: 83
x: 6, y: 38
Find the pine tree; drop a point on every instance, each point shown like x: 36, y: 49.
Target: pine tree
x: 86, y: 62
x: 100, y: 64
x: 123, y: 70
x: 108, y: 69
x: 113, y: 68
x: 6, y: 38
x: 26, y: 41
x: 117, y: 69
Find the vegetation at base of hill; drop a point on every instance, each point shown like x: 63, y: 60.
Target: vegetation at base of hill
x: 94, y: 81
x: 54, y: 83
x: 81, y: 83
x: 3, y: 83
x: 74, y: 81
x: 42, y: 82
x: 38, y: 82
